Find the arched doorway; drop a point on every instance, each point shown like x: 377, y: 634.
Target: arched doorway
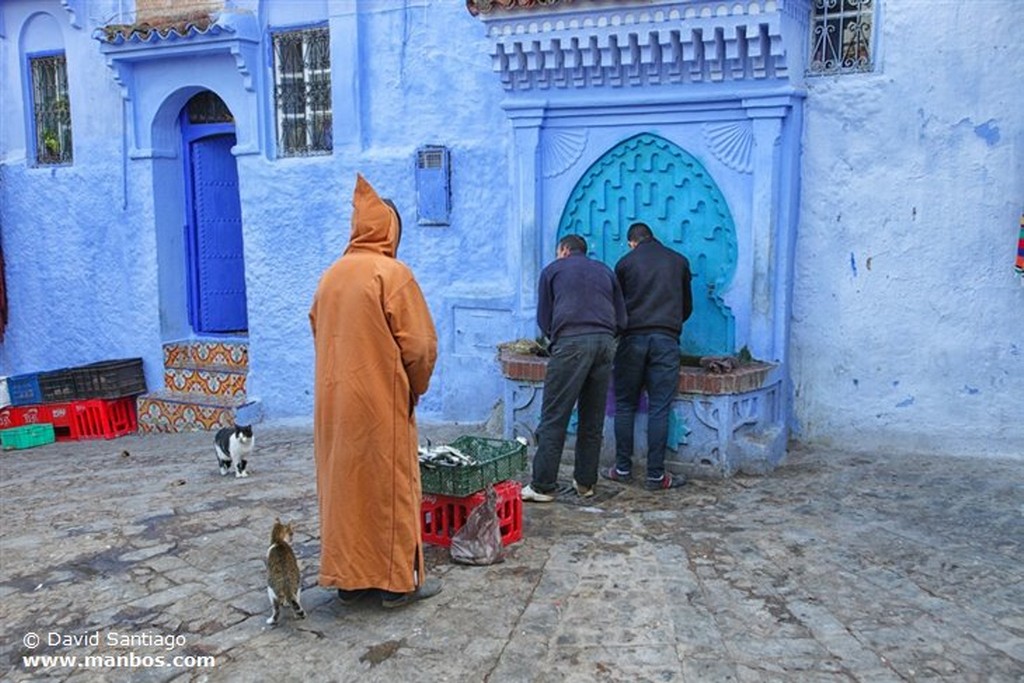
x: 213, y: 231
x: 648, y: 178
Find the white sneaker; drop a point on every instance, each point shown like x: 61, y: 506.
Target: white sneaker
x: 583, y: 491
x: 529, y: 495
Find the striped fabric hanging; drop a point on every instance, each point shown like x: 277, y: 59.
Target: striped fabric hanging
x: 1020, y: 249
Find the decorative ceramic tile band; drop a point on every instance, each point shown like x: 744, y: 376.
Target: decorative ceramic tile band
x: 156, y: 415
x: 204, y: 354
x: 204, y: 382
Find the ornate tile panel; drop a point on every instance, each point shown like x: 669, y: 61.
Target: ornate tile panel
x: 207, y: 354
x: 158, y: 413
x: 204, y: 382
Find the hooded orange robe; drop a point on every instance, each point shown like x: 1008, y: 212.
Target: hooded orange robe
x: 375, y: 351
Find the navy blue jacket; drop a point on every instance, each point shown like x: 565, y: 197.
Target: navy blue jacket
x: 655, y: 282
x: 579, y: 295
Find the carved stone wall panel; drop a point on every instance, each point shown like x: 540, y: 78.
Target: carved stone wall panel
x: 732, y: 433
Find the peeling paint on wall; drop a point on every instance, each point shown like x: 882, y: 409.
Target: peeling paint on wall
x: 988, y: 131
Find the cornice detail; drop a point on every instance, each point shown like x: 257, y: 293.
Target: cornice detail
x: 683, y: 41
x: 235, y: 33
x: 75, y: 9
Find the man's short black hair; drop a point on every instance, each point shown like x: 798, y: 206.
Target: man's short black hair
x: 639, y: 232
x: 574, y: 243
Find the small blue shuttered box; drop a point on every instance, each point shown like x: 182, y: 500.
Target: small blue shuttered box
x: 28, y: 436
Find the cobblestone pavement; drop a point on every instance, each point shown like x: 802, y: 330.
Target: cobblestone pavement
x: 836, y: 567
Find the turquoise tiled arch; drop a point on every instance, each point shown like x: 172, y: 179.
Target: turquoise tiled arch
x: 648, y: 178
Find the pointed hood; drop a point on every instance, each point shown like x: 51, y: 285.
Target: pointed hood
x: 374, y: 223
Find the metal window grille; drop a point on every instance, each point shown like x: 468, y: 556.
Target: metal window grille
x: 302, y: 90
x: 841, y: 36
x: 207, y: 107
x: 51, y: 109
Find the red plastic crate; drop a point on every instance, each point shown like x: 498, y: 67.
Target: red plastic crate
x: 91, y: 419
x: 442, y: 516
x: 60, y: 415
x: 105, y: 419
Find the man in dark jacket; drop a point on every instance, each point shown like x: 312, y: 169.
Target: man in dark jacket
x: 580, y: 309
x: 655, y: 282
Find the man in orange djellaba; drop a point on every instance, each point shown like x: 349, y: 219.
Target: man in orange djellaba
x: 375, y: 348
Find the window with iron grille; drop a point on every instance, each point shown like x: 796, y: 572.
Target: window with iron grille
x: 302, y: 92
x: 207, y: 107
x: 51, y: 109
x: 841, y: 32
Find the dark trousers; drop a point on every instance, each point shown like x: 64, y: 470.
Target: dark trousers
x: 651, y: 362
x: 578, y: 372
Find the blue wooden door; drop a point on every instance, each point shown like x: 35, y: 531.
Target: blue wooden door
x: 647, y: 178
x: 216, y: 265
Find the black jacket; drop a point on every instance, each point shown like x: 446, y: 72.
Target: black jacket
x: 655, y: 282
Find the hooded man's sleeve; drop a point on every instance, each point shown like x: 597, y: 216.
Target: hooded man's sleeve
x: 413, y: 330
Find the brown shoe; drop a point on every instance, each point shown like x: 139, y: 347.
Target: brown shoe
x: 428, y: 589
x: 583, y: 491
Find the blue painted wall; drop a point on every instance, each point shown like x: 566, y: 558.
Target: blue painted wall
x: 906, y: 326
x: 94, y: 249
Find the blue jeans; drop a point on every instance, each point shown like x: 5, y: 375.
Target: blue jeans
x: 579, y: 371
x: 651, y: 362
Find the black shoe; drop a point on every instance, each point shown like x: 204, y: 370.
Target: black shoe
x: 428, y: 589
x: 352, y: 597
x: 614, y: 474
x: 667, y: 481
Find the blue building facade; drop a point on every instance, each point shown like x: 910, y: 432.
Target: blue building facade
x: 204, y: 153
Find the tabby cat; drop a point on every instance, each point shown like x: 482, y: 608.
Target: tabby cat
x: 284, y: 582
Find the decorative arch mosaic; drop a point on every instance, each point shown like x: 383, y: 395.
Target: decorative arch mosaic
x: 648, y: 178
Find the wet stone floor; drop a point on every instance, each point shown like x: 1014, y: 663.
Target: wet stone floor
x: 134, y: 560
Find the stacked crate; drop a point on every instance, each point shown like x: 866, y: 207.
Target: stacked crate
x: 94, y: 401
x: 451, y: 493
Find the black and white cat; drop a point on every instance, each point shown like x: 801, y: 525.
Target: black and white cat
x: 234, y: 445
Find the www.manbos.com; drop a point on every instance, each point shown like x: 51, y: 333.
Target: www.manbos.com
x: 128, y: 660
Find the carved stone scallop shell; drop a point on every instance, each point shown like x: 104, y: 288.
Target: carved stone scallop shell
x: 733, y: 143
x: 561, y: 150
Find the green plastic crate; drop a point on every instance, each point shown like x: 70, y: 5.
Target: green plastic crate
x: 28, y: 436
x: 497, y: 460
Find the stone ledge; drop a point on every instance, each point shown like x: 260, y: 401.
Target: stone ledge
x: 742, y: 379
x: 523, y: 367
x: 691, y: 380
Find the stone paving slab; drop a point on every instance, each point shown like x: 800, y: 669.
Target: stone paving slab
x: 838, y: 566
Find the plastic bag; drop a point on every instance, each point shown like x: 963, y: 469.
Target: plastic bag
x: 479, y: 540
